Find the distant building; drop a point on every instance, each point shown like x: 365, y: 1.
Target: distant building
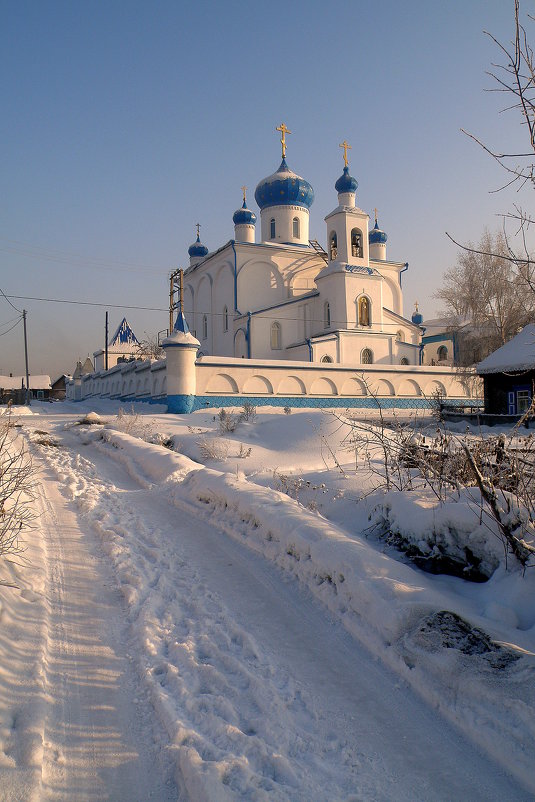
x: 455, y: 341
x: 58, y: 387
x: 13, y: 388
x: 122, y: 347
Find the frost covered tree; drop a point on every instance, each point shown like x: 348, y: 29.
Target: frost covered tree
x: 485, y: 288
x: 514, y: 77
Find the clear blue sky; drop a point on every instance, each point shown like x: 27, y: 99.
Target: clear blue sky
x: 125, y: 123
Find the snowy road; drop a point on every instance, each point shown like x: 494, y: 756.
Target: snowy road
x: 175, y: 655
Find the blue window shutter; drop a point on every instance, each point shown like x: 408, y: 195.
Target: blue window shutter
x: 511, y: 406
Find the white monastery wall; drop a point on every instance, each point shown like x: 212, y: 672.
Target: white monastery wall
x: 223, y: 377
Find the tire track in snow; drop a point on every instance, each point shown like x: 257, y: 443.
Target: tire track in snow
x: 97, y: 738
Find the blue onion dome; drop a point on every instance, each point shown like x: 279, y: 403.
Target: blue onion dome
x: 346, y: 182
x: 376, y: 235
x: 244, y: 215
x: 284, y: 188
x: 417, y: 318
x: 197, y: 249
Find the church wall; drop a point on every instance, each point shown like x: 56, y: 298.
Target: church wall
x: 219, y: 380
x: 215, y: 375
x: 260, y: 284
x: 392, y: 295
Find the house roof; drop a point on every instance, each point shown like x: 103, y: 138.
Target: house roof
x: 516, y: 355
x: 15, y: 382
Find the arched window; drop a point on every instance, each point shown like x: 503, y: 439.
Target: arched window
x: 225, y: 318
x: 295, y: 227
x: 333, y: 245
x: 442, y: 352
x: 356, y: 243
x: 276, y: 337
x: 326, y: 358
x: 272, y: 228
x: 204, y: 327
x: 400, y: 337
x: 364, y: 311
x: 366, y: 357
x: 326, y: 315
x: 404, y: 361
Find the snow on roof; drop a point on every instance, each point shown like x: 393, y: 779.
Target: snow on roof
x: 15, y: 382
x: 518, y: 354
x: 123, y: 334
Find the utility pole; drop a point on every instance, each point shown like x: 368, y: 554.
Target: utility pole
x: 106, y: 342
x: 171, y: 299
x: 26, y: 359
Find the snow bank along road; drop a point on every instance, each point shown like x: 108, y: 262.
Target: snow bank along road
x: 160, y: 658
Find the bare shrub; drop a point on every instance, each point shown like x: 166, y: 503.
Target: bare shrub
x: 131, y: 422
x: 16, y: 490
x: 496, y: 474
x: 248, y: 413
x: 228, y: 421
x: 213, y: 448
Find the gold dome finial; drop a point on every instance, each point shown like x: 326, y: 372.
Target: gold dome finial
x: 282, y: 128
x: 346, y: 147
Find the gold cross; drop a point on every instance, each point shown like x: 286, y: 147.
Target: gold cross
x: 243, y: 190
x: 198, y: 226
x: 282, y: 128
x: 346, y: 147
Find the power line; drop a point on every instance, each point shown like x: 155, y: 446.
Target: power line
x: 66, y: 257
x: 12, y: 327
x: 9, y: 302
x: 197, y: 312
x: 85, y: 303
x: 7, y: 322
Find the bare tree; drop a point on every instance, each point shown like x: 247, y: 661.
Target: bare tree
x: 515, y: 77
x: 485, y: 288
x: 149, y: 348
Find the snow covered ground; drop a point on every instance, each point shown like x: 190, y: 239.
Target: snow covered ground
x: 181, y: 626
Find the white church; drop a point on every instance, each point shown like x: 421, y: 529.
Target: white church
x: 284, y: 297
x: 282, y: 322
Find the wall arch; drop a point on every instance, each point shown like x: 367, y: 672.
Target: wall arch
x: 291, y: 385
x: 354, y: 386
x: 384, y: 387
x: 222, y: 383
x: 409, y: 387
x: 323, y: 386
x: 436, y: 387
x: 258, y: 385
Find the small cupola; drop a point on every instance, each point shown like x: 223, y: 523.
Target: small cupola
x: 197, y: 251
x: 377, y: 239
x: 346, y: 185
x: 244, y: 222
x: 417, y: 318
